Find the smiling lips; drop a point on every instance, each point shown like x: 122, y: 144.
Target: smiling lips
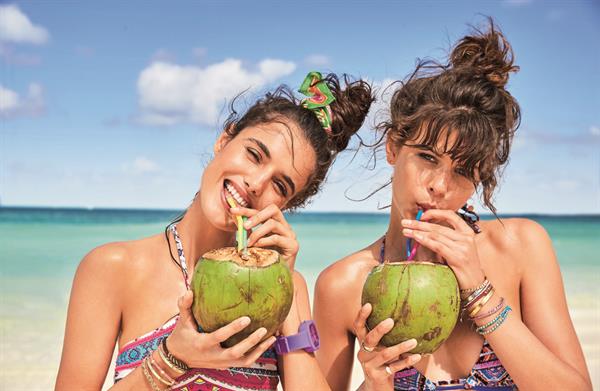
x: 235, y: 194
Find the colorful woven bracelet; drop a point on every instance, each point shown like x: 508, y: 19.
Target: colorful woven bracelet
x: 494, y: 323
x: 497, y: 308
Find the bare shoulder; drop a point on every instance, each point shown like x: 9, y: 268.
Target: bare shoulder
x: 348, y: 273
x: 114, y: 261
x: 521, y: 239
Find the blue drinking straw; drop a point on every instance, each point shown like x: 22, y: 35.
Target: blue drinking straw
x: 408, y: 241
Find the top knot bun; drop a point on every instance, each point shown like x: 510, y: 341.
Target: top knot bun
x: 349, y: 109
x: 486, y: 53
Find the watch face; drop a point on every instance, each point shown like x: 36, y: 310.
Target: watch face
x: 314, y: 336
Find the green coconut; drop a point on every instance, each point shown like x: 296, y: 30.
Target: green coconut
x: 227, y: 286
x: 421, y: 297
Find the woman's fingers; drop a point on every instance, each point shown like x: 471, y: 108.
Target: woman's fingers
x: 393, y: 353
x: 238, y: 350
x: 432, y: 227
x: 270, y: 227
x: 449, y: 217
x: 409, y: 361
x: 374, y: 336
x: 437, y: 243
x: 185, y: 307
x: 232, y: 328
x: 254, y: 354
x: 360, y: 323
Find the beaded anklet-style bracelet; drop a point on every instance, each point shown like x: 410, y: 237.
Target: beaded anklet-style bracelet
x: 497, y: 308
x: 493, y: 324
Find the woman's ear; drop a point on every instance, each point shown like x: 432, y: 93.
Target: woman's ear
x: 391, y: 151
x: 222, y: 140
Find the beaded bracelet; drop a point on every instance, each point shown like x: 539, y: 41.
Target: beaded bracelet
x: 172, y: 359
x: 471, y: 290
x: 497, y: 308
x: 149, y: 378
x: 162, y: 376
x: 494, y: 323
x: 480, y: 303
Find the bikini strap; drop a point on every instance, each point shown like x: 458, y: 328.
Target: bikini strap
x: 184, y: 270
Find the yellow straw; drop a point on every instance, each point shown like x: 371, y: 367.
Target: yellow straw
x: 241, y: 232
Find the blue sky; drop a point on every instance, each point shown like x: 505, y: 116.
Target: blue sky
x: 117, y: 104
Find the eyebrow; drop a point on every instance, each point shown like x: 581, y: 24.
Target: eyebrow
x: 266, y: 151
x: 425, y: 147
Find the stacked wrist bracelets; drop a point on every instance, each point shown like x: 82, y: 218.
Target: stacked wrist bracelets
x: 153, y: 370
x: 474, y: 299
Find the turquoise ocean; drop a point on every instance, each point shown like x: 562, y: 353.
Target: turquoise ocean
x: 41, y: 248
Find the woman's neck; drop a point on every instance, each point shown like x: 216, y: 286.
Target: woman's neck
x: 199, y: 236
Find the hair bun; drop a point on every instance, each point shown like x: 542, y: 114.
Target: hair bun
x: 349, y: 109
x: 486, y: 53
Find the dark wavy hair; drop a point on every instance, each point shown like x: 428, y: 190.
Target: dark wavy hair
x: 467, y: 98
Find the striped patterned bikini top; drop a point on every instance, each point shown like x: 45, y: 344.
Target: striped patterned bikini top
x: 487, y: 374
x: 263, y: 375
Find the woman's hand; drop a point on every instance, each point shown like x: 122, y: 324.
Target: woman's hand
x: 203, y: 350
x: 380, y: 364
x: 274, y: 231
x: 454, y: 242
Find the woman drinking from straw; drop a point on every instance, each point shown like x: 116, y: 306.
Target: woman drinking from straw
x: 449, y: 134
x: 136, y: 294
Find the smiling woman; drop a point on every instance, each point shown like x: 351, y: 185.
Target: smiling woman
x: 272, y: 158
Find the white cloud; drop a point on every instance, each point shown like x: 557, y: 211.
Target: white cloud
x: 12, y: 105
x: 317, y: 60
x: 141, y: 165
x: 15, y: 26
x: 171, y: 93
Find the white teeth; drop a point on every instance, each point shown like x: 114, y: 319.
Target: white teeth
x: 236, y: 196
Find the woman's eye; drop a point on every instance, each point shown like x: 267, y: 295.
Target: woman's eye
x: 461, y: 172
x: 255, y: 155
x: 281, y: 188
x: 428, y: 157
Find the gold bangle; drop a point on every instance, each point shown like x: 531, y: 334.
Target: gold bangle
x: 152, y: 364
x: 149, y: 378
x: 481, y: 303
x: 164, y: 358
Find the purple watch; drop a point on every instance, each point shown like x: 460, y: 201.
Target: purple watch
x: 307, y: 339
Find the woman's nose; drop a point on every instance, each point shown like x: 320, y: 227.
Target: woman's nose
x: 256, y: 182
x: 438, y: 184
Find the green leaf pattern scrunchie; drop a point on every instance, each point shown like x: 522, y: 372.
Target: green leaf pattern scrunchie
x: 319, y: 98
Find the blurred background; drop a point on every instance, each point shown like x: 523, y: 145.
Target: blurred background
x: 108, y: 114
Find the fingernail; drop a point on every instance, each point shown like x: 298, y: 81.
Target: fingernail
x: 414, y: 358
x: 389, y: 322
x: 406, y: 222
x: 407, y: 231
x: 245, y: 321
x: 262, y: 331
x: 411, y: 343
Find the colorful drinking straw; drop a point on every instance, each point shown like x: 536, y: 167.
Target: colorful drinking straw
x: 241, y: 234
x: 410, y: 253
